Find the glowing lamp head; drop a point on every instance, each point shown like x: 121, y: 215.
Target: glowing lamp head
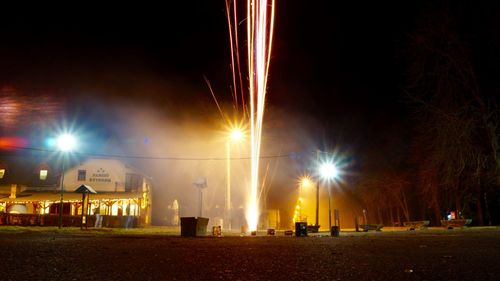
x: 305, y: 182
x: 236, y: 135
x: 329, y: 171
x: 66, y: 142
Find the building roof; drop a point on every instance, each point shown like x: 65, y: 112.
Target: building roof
x: 24, y: 169
x: 85, y: 189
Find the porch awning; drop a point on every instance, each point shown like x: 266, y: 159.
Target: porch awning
x: 29, y: 197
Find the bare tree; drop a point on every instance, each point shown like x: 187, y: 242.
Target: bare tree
x: 456, y: 138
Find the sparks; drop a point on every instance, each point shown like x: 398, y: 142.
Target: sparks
x: 260, y: 23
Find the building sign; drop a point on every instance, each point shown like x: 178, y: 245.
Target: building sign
x: 100, y: 176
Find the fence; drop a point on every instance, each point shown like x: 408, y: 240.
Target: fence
x: 53, y: 220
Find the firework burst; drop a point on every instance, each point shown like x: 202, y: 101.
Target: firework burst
x: 260, y: 24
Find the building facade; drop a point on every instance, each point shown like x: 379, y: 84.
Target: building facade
x: 123, y: 194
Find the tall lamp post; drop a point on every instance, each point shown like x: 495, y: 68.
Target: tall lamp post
x: 317, y: 195
x: 65, y: 143
x: 305, y: 182
x: 329, y: 172
x: 235, y: 134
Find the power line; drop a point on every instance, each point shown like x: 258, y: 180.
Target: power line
x: 151, y: 157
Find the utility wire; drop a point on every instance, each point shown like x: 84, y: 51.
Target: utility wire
x: 151, y: 157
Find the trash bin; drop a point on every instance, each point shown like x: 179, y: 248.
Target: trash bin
x: 191, y: 226
x: 300, y: 229
x: 201, y: 226
x: 335, y: 231
x: 188, y: 226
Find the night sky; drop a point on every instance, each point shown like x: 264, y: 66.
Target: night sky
x: 329, y: 60
x: 341, y: 67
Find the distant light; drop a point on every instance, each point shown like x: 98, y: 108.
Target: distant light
x: 329, y: 171
x: 66, y: 142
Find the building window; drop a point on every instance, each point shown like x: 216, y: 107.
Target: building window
x: 82, y: 175
x: 43, y: 175
x: 2, y: 173
x: 133, y: 182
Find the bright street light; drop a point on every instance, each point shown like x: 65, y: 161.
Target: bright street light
x: 329, y: 171
x: 65, y: 143
x: 236, y: 134
x: 306, y: 181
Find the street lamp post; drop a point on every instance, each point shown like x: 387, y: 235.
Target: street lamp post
x: 304, y: 182
x: 317, y: 194
x: 65, y: 143
x: 235, y: 135
x: 328, y: 172
x: 317, y: 204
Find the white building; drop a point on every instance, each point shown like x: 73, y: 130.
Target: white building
x: 121, y: 192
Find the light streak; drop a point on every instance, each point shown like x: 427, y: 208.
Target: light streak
x: 235, y: 56
x: 260, y: 24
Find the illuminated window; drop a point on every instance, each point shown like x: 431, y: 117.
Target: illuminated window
x: 43, y: 175
x: 2, y: 173
x: 82, y: 175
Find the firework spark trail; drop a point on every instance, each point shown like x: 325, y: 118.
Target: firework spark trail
x: 260, y: 23
x: 215, y: 98
x: 231, y: 40
x: 235, y: 56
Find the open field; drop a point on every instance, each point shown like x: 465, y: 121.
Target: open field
x: 158, y: 253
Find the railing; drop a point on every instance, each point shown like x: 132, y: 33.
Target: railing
x: 53, y: 220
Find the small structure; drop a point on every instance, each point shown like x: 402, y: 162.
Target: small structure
x: 85, y: 190
x: 200, y: 183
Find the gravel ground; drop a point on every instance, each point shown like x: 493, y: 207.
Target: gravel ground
x: 470, y: 254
